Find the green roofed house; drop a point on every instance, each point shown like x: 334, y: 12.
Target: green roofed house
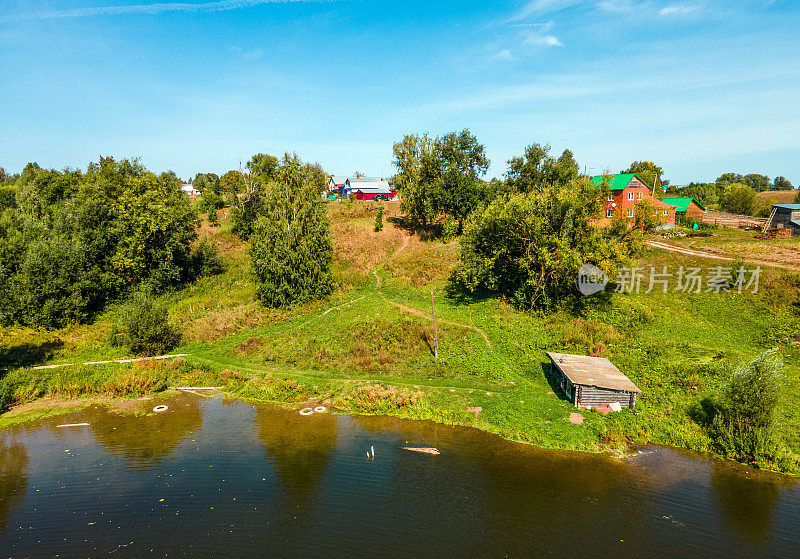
x: 625, y: 191
x: 686, y: 207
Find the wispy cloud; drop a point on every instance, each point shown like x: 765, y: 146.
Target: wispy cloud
x: 252, y: 55
x: 504, y: 54
x: 542, y: 7
x: 542, y: 40
x: 150, y: 9
x: 678, y: 10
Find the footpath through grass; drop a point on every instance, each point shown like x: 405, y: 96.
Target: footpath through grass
x: 360, y: 352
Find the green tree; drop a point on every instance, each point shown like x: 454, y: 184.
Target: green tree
x: 651, y: 174
x: 379, y: 220
x: 156, y: 226
x: 417, y: 200
x: 536, y: 169
x: 232, y: 184
x: 729, y: 178
x: 290, y: 247
x: 529, y: 247
x: 745, y: 423
x: 781, y: 183
x: 249, y: 196
x: 759, y: 183
x: 454, y: 170
x: 647, y: 217
x: 738, y: 199
x: 703, y: 192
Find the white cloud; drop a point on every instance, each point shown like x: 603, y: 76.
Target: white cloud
x: 677, y: 10
x: 151, y: 9
x: 504, y: 54
x: 542, y: 7
x: 542, y: 40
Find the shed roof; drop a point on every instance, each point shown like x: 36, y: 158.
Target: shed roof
x: 792, y: 207
x: 592, y: 371
x: 681, y: 204
x: 619, y: 181
x: 338, y: 179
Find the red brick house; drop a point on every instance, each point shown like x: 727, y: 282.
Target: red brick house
x: 625, y: 191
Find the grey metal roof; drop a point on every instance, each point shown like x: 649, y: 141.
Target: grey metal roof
x: 592, y: 371
x: 365, y: 179
x: 787, y: 206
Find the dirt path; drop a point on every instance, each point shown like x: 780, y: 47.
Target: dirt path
x: 703, y: 254
x: 406, y: 240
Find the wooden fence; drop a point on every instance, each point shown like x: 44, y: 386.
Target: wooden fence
x: 734, y: 221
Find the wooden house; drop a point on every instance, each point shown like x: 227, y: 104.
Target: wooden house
x: 785, y: 216
x: 625, y: 191
x: 592, y: 381
x: 686, y: 207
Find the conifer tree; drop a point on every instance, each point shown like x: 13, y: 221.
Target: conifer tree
x: 291, y: 248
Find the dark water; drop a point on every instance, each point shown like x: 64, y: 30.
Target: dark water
x: 215, y: 478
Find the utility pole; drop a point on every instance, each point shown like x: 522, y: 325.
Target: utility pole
x: 435, y: 331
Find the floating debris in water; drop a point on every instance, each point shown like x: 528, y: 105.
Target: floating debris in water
x: 423, y: 449
x: 73, y: 425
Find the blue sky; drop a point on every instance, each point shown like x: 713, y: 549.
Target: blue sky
x: 699, y: 86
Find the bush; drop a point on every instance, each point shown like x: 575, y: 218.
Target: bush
x: 144, y: 327
x: 744, y: 426
x: 379, y: 220
x: 205, y: 259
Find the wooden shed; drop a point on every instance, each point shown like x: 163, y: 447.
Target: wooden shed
x: 592, y: 381
x: 686, y: 207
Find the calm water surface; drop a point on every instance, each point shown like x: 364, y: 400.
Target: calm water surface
x: 219, y: 478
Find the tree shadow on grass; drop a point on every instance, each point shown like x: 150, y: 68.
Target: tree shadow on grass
x: 27, y: 354
x: 429, y: 232
x: 702, y: 412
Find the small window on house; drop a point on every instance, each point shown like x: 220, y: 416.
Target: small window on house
x: 609, y: 213
x: 630, y: 195
x: 630, y: 213
x: 666, y: 212
x: 610, y: 196
x: 638, y: 195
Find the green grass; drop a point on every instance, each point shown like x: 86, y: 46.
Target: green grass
x: 370, y: 357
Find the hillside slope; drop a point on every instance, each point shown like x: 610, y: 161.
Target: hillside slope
x: 368, y: 348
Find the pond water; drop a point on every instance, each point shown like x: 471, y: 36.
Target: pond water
x: 214, y: 477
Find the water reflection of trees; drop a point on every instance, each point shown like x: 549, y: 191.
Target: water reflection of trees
x: 746, y: 500
x: 13, y: 478
x: 300, y: 447
x: 148, y: 439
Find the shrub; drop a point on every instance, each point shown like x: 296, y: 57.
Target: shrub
x: 213, y: 218
x: 205, y: 259
x: 744, y: 425
x: 144, y: 327
x: 379, y: 220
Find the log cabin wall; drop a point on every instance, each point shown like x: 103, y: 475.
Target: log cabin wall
x: 592, y: 396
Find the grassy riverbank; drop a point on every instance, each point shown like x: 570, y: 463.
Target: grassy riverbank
x: 368, y: 348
